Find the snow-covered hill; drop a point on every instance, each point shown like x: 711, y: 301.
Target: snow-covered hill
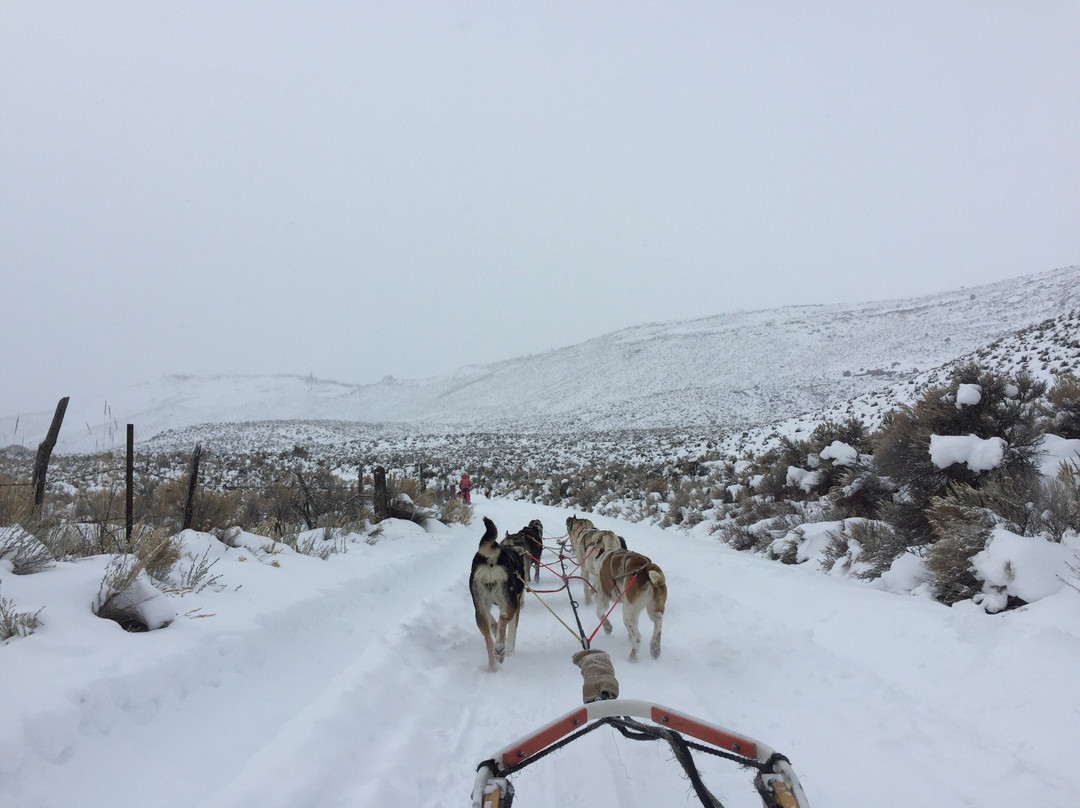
x: 726, y: 373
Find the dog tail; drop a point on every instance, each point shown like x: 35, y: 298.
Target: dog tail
x: 490, y: 531
x: 656, y: 576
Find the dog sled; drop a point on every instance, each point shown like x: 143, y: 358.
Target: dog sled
x: 774, y: 779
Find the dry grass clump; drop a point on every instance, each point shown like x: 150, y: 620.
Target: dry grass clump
x: 455, y: 510
x: 26, y: 554
x: 16, y: 500
x: 14, y: 623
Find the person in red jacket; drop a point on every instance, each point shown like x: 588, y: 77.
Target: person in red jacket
x: 465, y: 486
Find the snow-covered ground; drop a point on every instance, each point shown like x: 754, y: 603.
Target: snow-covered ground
x: 360, y: 681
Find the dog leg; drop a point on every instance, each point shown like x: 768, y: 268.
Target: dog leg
x: 602, y: 603
x: 588, y: 586
x: 658, y: 624
x: 630, y: 620
x: 511, y: 637
x: 483, y: 622
x: 500, y: 640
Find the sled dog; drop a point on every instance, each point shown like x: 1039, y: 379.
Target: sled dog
x: 496, y: 582
x: 588, y: 541
x: 646, y: 588
x: 529, y: 541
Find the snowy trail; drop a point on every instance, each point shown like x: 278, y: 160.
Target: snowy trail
x: 791, y: 680
x: 372, y: 690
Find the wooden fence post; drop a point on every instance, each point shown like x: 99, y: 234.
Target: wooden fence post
x: 307, y: 509
x: 193, y: 478
x: 381, y: 499
x: 44, y: 452
x: 129, y: 477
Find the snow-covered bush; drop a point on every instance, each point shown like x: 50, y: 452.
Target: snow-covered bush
x: 977, y: 404
x: 1018, y: 569
x: 127, y: 597
x: 869, y: 547
x: 861, y: 492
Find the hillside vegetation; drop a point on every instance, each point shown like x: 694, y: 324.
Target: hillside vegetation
x: 912, y: 480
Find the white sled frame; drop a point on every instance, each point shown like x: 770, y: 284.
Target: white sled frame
x: 781, y: 781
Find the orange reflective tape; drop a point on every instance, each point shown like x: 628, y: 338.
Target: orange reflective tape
x: 545, y: 737
x: 705, y: 732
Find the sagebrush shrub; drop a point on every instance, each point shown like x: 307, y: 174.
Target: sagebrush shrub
x: 879, y: 546
x: 1062, y: 407
x: 1057, y: 506
x: 962, y: 531
x: 860, y: 493
x: 1006, y: 409
x: 742, y: 537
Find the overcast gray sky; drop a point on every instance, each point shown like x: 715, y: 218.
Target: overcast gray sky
x: 356, y: 189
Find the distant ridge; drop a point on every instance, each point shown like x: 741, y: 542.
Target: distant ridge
x: 727, y: 372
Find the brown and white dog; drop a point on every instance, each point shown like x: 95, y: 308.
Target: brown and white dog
x: 496, y: 581
x: 645, y: 588
x: 529, y: 541
x: 588, y: 542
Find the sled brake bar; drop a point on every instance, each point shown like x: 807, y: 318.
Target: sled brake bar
x: 775, y: 771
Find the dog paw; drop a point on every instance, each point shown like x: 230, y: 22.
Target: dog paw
x: 654, y: 649
x: 500, y: 652
x: 607, y: 628
x: 633, y: 655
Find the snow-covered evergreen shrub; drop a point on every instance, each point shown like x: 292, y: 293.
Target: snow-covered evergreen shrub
x: 860, y: 493
x: 975, y: 402
x: 851, y: 433
x: 773, y: 468
x: 839, y: 547
x: 1011, y: 497
x: 742, y: 537
x: 879, y: 546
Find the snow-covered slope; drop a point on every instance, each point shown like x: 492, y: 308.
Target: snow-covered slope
x: 727, y: 372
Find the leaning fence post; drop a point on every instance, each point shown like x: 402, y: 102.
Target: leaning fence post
x: 44, y: 452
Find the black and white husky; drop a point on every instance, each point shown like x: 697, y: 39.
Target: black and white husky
x: 497, y: 581
x: 529, y: 542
